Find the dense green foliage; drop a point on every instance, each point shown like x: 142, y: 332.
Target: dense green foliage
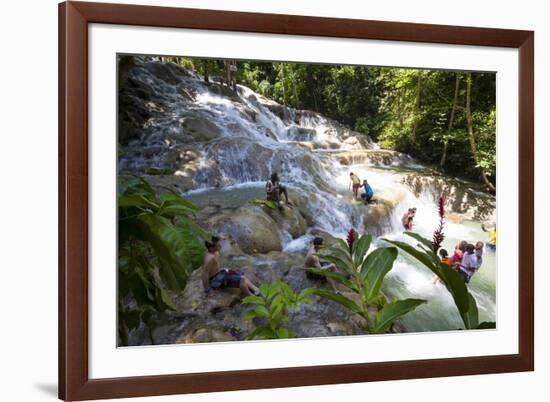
x: 159, y: 246
x: 364, y: 275
x: 464, y: 301
x: 271, y: 308
x: 420, y: 112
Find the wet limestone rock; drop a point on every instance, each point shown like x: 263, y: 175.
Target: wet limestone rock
x: 249, y: 226
x: 290, y: 219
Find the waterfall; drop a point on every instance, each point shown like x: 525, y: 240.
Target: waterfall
x: 220, y: 142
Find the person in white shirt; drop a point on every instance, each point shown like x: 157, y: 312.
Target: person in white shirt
x: 469, y: 264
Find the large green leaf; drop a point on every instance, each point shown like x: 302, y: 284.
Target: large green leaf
x: 344, y: 255
x: 424, y: 244
x: 137, y: 201
x: 262, y: 202
x: 421, y: 256
x: 174, y: 199
x: 252, y: 300
x: 360, y: 248
x: 335, y: 276
x: 374, y: 270
x: 455, y: 285
x: 343, y: 300
x: 169, y: 245
x: 487, y: 325
x: 125, y: 182
x: 342, y: 245
x: 191, y: 228
x: 341, y: 265
x: 421, y: 239
x: 393, y: 311
x: 471, y: 316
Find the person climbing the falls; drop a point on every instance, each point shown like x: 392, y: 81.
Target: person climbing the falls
x: 274, y: 189
x: 354, y: 184
x: 407, y: 219
x: 367, y: 195
x: 492, y: 243
x: 313, y: 261
x: 215, y: 277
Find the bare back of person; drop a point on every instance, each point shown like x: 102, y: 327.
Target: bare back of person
x: 311, y: 259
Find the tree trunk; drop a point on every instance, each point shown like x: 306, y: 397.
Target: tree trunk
x: 471, y: 134
x: 451, y: 121
x: 416, y: 107
x: 283, y: 82
x: 205, y: 69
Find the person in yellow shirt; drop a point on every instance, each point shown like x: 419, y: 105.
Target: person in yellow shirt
x: 354, y: 184
x: 492, y: 243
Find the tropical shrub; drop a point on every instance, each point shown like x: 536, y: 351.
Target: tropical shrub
x: 364, y: 275
x: 272, y: 306
x: 159, y: 245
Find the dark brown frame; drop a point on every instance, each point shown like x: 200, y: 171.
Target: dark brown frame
x: 74, y: 17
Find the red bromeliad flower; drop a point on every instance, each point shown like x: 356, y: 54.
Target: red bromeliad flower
x: 351, y: 238
x: 439, y: 236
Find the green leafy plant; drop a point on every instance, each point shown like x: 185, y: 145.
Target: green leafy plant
x: 152, y: 171
x: 271, y: 308
x: 159, y: 246
x: 267, y: 203
x: 426, y: 253
x: 363, y: 274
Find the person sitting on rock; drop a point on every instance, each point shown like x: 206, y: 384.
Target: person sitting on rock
x: 214, y: 277
x: 367, y: 195
x: 354, y: 184
x: 313, y: 261
x: 274, y: 189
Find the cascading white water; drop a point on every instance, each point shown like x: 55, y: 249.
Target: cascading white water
x: 306, y: 150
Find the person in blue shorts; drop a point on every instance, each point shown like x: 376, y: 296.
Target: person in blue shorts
x: 215, y: 277
x: 367, y: 195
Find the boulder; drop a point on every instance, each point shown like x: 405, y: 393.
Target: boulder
x: 249, y: 226
x: 290, y: 219
x: 377, y: 216
x: 201, y: 128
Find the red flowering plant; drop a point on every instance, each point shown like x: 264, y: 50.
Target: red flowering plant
x: 351, y: 238
x: 438, y: 235
x: 426, y: 253
x: 361, y: 274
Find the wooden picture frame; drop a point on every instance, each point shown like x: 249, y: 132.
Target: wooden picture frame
x: 74, y: 381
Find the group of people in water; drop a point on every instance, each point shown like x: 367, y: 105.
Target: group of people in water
x: 466, y: 259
